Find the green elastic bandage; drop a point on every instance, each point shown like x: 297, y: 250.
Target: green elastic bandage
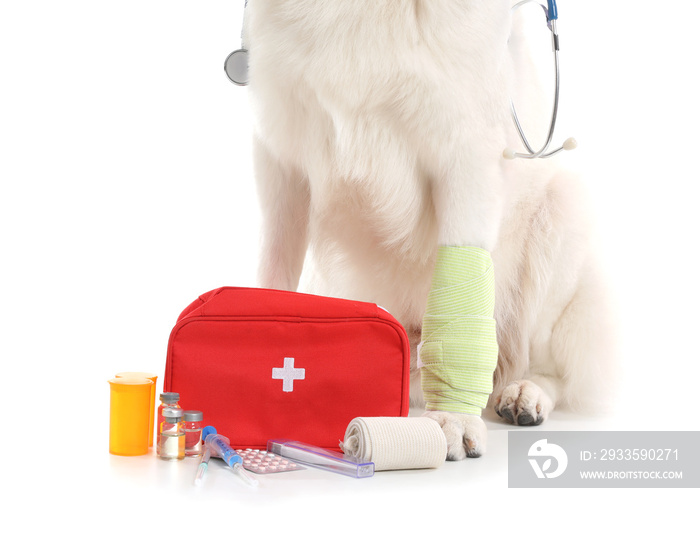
x: 459, y: 351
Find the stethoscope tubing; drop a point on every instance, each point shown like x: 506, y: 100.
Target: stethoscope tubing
x: 543, y: 153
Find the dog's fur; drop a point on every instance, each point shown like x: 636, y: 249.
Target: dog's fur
x: 380, y: 126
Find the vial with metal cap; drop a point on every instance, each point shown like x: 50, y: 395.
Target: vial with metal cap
x: 172, y: 435
x: 167, y: 400
x: 193, y: 433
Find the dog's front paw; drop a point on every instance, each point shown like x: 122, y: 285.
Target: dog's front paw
x: 523, y: 403
x: 465, y: 434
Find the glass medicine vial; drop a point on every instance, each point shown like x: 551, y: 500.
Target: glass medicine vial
x: 193, y: 433
x: 171, y: 442
x: 167, y: 400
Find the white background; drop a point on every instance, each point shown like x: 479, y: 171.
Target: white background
x: 127, y: 191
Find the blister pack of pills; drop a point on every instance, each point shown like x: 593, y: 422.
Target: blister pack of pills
x: 264, y: 462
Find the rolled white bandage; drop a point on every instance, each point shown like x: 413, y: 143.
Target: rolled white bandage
x: 396, y: 443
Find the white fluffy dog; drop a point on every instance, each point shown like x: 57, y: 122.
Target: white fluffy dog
x: 380, y: 127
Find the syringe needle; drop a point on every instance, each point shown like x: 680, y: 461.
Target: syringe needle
x: 202, y: 468
x: 238, y: 469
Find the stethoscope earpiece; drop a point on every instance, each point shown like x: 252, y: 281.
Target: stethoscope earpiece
x: 569, y: 144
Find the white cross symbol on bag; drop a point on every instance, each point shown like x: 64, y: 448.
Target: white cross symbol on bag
x: 288, y: 374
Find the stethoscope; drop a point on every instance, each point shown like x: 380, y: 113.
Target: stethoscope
x: 236, y: 68
x: 552, y: 15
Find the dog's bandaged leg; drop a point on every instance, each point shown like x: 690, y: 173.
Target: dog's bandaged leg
x: 459, y: 350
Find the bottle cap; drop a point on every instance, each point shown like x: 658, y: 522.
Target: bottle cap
x: 172, y: 415
x: 169, y: 397
x: 193, y: 415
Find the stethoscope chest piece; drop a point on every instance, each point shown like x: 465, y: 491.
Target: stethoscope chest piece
x: 236, y: 67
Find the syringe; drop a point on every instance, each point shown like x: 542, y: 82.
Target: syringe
x: 220, y: 446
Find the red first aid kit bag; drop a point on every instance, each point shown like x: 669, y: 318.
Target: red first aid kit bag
x: 264, y: 364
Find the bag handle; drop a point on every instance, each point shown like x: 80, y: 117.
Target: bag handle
x: 240, y: 301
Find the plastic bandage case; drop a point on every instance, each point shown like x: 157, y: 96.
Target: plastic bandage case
x: 265, y: 364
